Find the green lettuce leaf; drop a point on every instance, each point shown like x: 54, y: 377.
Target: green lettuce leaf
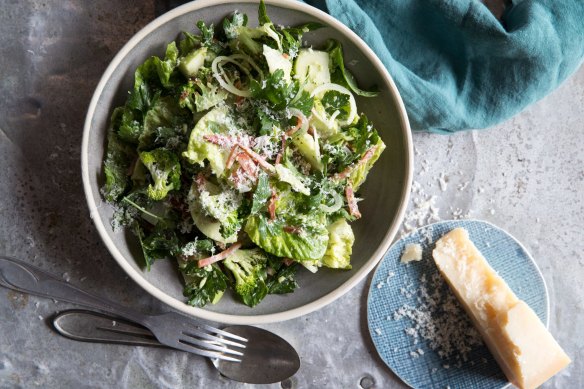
x: 340, y: 245
x: 166, y: 113
x: 215, y: 211
x: 199, y: 150
x: 292, y: 238
x: 363, y: 138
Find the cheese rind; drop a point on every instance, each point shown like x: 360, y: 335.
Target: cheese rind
x: 523, y: 347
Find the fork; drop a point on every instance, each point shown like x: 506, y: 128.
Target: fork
x: 170, y: 328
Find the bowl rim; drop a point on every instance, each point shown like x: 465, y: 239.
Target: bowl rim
x: 223, y: 317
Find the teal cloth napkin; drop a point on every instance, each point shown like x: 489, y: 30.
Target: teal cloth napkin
x: 456, y: 65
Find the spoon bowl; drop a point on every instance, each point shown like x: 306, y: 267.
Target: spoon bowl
x: 267, y: 358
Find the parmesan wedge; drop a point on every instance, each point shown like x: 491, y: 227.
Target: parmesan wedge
x: 524, y: 349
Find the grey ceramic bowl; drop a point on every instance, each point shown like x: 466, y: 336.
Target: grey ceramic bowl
x: 385, y: 192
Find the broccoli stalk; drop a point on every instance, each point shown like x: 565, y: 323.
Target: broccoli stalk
x: 164, y: 168
x: 249, y: 271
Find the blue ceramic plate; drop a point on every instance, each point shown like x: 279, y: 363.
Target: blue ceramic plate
x: 397, y: 294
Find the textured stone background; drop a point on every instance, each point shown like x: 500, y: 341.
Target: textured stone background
x: 525, y: 175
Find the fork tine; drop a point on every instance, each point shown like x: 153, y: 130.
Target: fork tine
x: 186, y: 346
x: 204, y: 335
x: 221, y: 332
x: 208, y: 345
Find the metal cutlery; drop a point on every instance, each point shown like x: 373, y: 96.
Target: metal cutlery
x: 170, y: 329
x: 267, y: 359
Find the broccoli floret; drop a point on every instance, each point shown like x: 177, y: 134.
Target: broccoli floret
x: 249, y: 271
x: 164, y: 167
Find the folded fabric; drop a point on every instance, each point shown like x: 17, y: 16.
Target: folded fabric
x: 456, y: 65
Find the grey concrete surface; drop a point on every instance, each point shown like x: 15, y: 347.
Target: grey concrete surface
x: 525, y: 175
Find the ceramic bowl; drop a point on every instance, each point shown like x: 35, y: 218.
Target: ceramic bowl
x: 385, y: 193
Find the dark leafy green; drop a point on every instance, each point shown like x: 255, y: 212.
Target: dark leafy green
x: 118, y: 161
x: 281, y: 280
x: 205, y: 284
x: 280, y: 95
x: 230, y: 26
x: 263, y: 14
x: 160, y: 243
x: 336, y: 101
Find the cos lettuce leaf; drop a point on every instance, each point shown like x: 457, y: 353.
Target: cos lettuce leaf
x: 367, y: 146
x: 261, y: 194
x: 287, y: 238
x: 199, y: 150
x: 340, y: 245
x: 359, y: 174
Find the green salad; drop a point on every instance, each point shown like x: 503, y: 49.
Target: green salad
x: 239, y: 154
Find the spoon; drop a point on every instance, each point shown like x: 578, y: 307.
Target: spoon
x: 267, y: 359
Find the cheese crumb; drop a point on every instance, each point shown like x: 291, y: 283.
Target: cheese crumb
x: 412, y: 252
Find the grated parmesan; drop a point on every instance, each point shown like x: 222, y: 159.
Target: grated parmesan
x: 436, y: 318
